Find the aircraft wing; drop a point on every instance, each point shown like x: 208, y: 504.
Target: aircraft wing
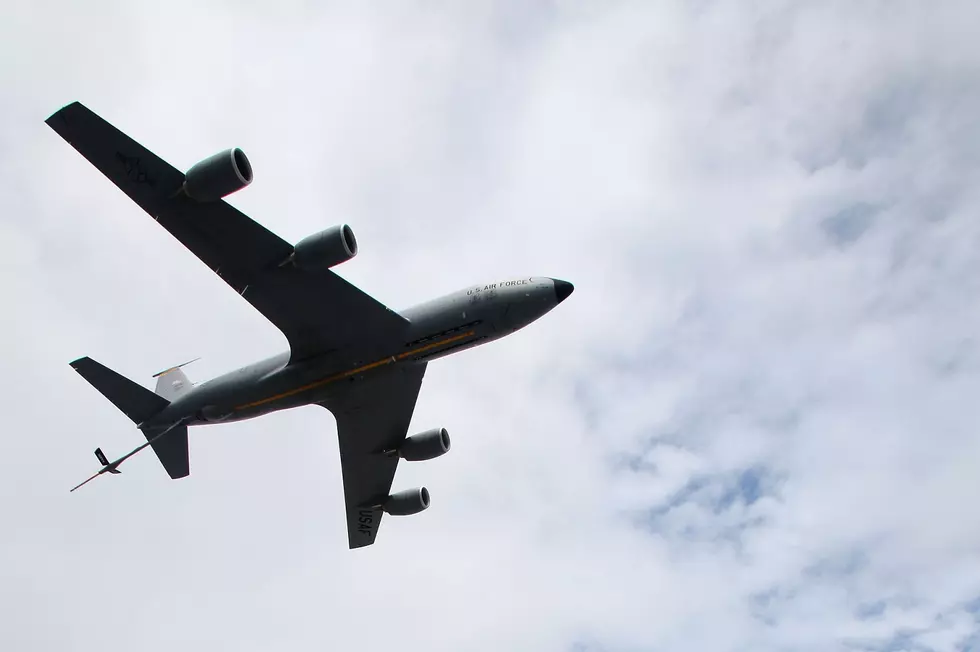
x: 373, y: 416
x: 318, y: 312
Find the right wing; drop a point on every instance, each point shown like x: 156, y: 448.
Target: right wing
x: 318, y: 312
x: 372, y: 416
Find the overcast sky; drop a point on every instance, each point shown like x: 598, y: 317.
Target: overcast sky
x: 753, y: 426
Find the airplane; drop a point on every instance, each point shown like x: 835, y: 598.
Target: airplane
x: 348, y: 353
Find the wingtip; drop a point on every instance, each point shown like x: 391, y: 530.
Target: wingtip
x: 62, y: 113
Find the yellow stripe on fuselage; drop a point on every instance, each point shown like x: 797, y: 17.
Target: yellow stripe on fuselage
x: 347, y: 374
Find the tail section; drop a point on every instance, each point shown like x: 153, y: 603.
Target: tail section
x: 140, y: 404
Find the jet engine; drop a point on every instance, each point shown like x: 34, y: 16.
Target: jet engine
x: 405, y: 503
x: 425, y: 446
x: 218, y: 176
x: 325, y: 249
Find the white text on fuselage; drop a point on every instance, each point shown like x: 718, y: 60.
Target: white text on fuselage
x: 499, y: 286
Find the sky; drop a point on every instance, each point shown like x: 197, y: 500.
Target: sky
x: 751, y: 427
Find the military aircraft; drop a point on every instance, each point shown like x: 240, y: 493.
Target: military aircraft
x: 359, y: 359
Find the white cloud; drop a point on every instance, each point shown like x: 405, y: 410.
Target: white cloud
x: 769, y: 217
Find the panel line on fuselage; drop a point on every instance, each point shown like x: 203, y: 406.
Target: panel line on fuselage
x: 346, y: 374
x: 450, y: 331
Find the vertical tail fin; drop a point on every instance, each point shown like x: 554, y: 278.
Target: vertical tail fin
x: 172, y: 382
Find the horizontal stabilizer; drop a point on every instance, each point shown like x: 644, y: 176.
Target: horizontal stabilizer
x: 135, y: 401
x: 172, y: 449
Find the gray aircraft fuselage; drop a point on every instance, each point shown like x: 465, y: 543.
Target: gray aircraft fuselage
x: 453, y: 323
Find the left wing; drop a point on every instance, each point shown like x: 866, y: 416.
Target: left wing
x: 373, y: 416
x: 318, y: 312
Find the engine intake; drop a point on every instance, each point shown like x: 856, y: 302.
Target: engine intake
x: 425, y: 446
x: 405, y: 503
x: 218, y: 176
x: 325, y: 249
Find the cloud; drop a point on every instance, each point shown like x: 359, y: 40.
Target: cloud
x: 751, y: 427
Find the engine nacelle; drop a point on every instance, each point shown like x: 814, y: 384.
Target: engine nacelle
x: 325, y: 249
x: 425, y: 446
x: 405, y: 503
x: 218, y: 176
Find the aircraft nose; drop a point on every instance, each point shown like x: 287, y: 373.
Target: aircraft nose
x: 562, y: 289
